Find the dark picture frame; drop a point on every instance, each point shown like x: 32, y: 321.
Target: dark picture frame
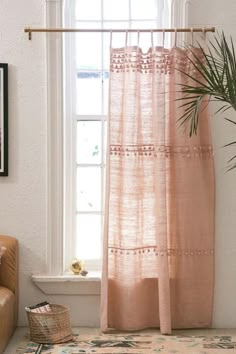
x: 3, y: 119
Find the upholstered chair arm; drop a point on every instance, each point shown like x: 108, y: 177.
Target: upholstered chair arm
x: 9, y: 272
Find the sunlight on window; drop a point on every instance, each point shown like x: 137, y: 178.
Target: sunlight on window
x: 105, y: 91
x: 88, y: 246
x: 89, y: 91
x: 144, y: 9
x: 89, y: 142
x: 88, y: 10
x: 116, y: 10
x: 88, y: 189
x: 86, y: 45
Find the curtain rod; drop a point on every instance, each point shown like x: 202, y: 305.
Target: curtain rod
x: 29, y: 30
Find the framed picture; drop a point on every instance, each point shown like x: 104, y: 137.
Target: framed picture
x: 3, y: 120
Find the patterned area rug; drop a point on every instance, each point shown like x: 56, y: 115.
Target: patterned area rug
x: 136, y: 344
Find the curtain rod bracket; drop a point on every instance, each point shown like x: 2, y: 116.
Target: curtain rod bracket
x: 28, y: 30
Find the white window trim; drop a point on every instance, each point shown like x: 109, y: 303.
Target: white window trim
x: 69, y: 148
x: 68, y: 284
x: 54, y: 139
x: 55, y: 224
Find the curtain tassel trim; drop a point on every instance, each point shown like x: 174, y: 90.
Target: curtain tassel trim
x: 154, y: 251
x: 204, y: 151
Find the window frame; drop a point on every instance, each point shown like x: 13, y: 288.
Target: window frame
x: 70, y: 163
x: 69, y: 141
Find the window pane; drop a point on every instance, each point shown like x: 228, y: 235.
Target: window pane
x: 116, y: 25
x: 145, y: 24
x: 88, y: 51
x: 141, y: 9
x: 116, y: 9
x: 88, y: 245
x: 88, y: 9
x: 89, y: 142
x: 88, y: 93
x: 88, y: 189
x: 88, y: 25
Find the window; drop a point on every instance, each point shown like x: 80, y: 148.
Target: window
x: 86, y: 76
x: 66, y: 110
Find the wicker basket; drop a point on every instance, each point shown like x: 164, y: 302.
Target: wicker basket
x: 50, y: 327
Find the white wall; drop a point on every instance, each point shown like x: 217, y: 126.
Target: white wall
x: 23, y: 193
x: 222, y: 15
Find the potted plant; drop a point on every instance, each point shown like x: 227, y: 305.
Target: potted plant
x: 216, y: 81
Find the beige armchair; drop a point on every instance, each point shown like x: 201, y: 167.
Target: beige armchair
x: 8, y: 289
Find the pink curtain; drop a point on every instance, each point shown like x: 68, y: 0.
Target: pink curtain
x: 159, y: 214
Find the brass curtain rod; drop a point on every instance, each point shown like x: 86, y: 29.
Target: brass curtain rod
x: 29, y: 30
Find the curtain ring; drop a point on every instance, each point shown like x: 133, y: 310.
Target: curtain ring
x: 175, y: 42
x: 138, y: 35
x: 110, y: 38
x: 126, y: 38
x: 191, y: 30
x: 163, y: 37
x: 152, y: 39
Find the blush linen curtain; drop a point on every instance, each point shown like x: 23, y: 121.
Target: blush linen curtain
x: 158, y: 253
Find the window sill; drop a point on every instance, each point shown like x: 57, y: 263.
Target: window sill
x: 69, y: 284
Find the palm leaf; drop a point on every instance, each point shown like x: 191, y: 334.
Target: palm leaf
x: 215, y: 80
x: 230, y: 120
x: 231, y: 167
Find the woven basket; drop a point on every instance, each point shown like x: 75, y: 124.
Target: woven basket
x: 50, y: 327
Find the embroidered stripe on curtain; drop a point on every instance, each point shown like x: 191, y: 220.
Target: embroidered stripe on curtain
x: 158, y: 264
